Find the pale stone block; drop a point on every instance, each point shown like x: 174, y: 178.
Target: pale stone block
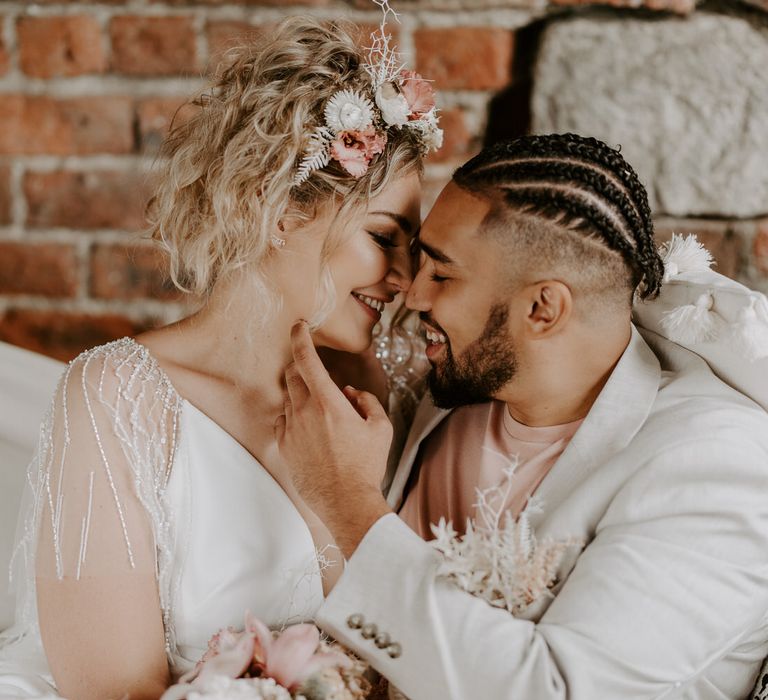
x: 687, y: 100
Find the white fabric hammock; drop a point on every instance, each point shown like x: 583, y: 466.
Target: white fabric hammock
x: 27, y: 382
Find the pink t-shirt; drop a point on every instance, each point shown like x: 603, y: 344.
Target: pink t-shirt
x: 470, y: 450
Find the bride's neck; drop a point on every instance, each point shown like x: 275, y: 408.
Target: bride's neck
x: 237, y: 340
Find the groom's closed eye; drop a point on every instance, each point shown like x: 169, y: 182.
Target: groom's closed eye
x: 435, y: 253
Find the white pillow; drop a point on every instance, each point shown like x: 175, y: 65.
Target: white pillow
x: 27, y: 382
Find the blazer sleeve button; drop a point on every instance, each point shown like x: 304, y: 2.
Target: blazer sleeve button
x: 369, y: 631
x: 355, y: 621
x: 394, y: 650
x: 383, y: 640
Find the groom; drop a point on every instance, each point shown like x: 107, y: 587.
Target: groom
x: 529, y: 262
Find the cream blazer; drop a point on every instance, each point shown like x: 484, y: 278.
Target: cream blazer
x: 666, y: 482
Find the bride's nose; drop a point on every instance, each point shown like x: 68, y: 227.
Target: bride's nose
x: 399, y: 276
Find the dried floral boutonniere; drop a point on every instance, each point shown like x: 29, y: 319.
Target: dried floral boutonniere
x: 498, y: 558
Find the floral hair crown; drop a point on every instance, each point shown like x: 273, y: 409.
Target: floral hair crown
x: 357, y: 124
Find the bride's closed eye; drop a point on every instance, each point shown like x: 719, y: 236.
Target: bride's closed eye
x: 382, y: 240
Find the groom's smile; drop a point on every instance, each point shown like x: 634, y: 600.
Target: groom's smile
x: 436, y: 337
x: 458, y: 293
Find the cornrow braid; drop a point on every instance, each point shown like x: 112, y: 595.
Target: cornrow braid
x: 592, y: 180
x: 578, y: 182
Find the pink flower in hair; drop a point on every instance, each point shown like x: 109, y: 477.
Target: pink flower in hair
x: 417, y: 92
x: 354, y: 149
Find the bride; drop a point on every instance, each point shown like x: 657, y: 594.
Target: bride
x: 158, y: 507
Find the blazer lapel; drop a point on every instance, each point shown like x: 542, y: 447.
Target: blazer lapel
x: 618, y: 413
x: 425, y: 420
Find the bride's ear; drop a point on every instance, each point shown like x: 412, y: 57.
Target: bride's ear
x: 287, y: 224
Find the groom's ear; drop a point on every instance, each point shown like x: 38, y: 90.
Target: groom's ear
x: 549, y: 307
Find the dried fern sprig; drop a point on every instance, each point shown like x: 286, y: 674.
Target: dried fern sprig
x: 316, y: 155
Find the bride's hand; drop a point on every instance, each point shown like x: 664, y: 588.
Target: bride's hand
x: 334, y: 443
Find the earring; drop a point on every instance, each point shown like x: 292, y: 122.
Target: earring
x: 277, y: 242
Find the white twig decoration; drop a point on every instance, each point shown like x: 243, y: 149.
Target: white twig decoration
x: 499, y: 559
x: 384, y: 63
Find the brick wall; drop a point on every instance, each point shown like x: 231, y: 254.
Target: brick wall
x: 88, y: 89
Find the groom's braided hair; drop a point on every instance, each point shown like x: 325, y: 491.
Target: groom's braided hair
x: 578, y: 184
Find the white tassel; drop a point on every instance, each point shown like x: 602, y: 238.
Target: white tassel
x: 693, y: 323
x: 749, y: 334
x: 682, y: 255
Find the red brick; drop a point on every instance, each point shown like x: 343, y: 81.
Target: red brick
x: 5, y: 195
x: 86, y: 199
x: 60, y: 46
x: 470, y: 58
x: 153, y: 45
x: 47, y: 269
x: 716, y: 237
x: 364, y: 31
x: 263, y: 3
x: 760, y: 248
x: 456, y: 137
x: 4, y: 59
x: 80, y: 2
x: 130, y: 272
x: 63, y: 334
x: 155, y: 116
x: 224, y: 35
x: 80, y: 126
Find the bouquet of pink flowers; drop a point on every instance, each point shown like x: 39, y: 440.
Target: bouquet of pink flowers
x: 258, y: 664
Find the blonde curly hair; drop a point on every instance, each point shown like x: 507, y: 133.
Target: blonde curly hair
x: 227, y: 178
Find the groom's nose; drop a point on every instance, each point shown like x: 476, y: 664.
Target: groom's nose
x: 417, y: 297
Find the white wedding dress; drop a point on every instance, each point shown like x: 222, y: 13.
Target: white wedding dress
x: 149, y: 464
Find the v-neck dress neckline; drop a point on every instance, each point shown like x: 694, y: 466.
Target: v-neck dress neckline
x: 241, y: 542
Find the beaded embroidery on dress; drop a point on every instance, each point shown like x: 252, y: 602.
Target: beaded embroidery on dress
x: 171, y: 495
x: 117, y: 412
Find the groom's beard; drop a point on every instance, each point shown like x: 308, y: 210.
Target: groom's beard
x: 481, y: 370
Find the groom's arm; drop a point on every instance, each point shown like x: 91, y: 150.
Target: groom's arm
x: 674, y: 581
x: 674, y: 578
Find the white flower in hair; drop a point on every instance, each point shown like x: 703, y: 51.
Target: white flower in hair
x: 395, y: 109
x: 431, y: 133
x: 348, y: 110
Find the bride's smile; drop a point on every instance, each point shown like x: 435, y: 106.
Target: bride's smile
x: 165, y: 508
